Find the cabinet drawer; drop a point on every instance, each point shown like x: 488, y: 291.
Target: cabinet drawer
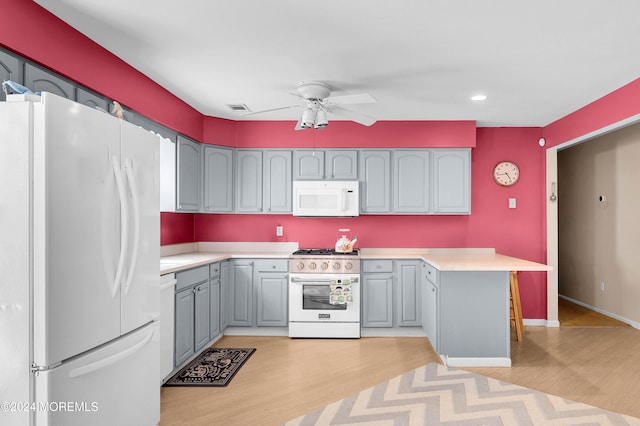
x: 272, y: 265
x: 214, y: 270
x: 377, y: 266
x: 431, y: 273
x: 192, y: 276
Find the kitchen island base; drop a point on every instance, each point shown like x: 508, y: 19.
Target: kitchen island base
x: 473, y: 318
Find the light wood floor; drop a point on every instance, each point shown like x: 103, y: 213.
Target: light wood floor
x: 286, y: 378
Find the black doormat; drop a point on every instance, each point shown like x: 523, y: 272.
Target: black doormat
x: 213, y: 367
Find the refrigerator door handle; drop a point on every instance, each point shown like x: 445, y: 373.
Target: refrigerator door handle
x: 105, y: 362
x: 135, y: 201
x: 124, y: 226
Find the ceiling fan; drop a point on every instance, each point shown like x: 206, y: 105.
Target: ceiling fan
x: 317, y: 103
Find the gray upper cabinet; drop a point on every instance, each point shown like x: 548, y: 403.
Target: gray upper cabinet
x: 331, y: 164
x: 39, y: 80
x: 452, y: 181
x: 375, y: 178
x: 91, y: 100
x: 341, y: 165
x: 218, y: 179
x: 249, y: 181
x: 308, y: 165
x: 277, y: 182
x: 10, y: 69
x: 188, y: 180
x: 411, y: 181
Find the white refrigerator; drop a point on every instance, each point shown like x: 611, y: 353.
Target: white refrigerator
x: 80, y: 252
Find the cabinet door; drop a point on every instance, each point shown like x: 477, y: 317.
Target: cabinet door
x: 39, y: 80
x: 188, y: 175
x: 431, y: 313
x: 409, y: 301
x: 91, y: 99
x: 10, y: 69
x: 341, y: 165
x: 201, y: 315
x: 214, y: 308
x: 375, y: 177
x: 452, y: 181
x: 411, y: 182
x: 241, y: 293
x: 272, y: 300
x: 225, y: 276
x: 184, y: 331
x: 277, y: 181
x: 248, y: 181
x: 377, y: 300
x: 308, y: 164
x: 218, y: 179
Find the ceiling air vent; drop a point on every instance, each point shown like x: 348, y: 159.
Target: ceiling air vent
x: 239, y: 108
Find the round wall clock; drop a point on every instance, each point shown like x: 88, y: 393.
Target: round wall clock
x: 506, y: 173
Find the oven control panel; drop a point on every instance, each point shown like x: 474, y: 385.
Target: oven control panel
x: 333, y: 265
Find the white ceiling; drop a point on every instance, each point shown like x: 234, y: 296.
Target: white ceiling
x: 536, y: 61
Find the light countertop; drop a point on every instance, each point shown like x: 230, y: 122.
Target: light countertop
x: 186, y: 256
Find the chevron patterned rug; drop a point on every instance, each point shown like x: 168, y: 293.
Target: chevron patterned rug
x: 437, y: 395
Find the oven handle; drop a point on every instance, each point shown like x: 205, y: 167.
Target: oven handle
x: 323, y: 281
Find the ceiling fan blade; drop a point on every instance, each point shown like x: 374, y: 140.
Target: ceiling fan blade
x: 351, y: 99
x: 272, y: 109
x: 358, y: 117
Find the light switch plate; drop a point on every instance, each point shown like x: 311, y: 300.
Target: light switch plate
x: 512, y: 203
x: 279, y: 231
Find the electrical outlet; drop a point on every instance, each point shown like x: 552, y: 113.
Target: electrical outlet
x: 512, y: 203
x: 279, y: 231
x: 601, y: 286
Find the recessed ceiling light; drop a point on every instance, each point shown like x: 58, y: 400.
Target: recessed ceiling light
x: 478, y: 97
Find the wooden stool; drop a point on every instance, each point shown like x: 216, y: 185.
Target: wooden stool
x: 515, y: 307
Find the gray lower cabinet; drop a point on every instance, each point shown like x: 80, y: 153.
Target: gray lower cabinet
x: 375, y: 181
x: 377, y: 293
x: 430, y: 304
x: 188, y: 175
x: 271, y: 284
x: 201, y: 315
x: 408, y: 274
x: 225, y: 277
x: 184, y: 326
x: 217, y: 179
x: 241, y: 293
x: 258, y: 293
x: 192, y: 310
x: 39, y: 80
x: 391, y: 293
x: 214, y: 299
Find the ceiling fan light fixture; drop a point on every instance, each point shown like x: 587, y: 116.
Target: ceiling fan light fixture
x: 308, y: 118
x: 321, y: 120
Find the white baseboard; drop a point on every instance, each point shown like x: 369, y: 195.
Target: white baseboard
x: 633, y: 324
x: 450, y: 361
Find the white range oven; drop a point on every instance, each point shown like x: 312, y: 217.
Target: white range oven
x: 324, y: 294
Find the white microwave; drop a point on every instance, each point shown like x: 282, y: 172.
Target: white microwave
x: 333, y: 198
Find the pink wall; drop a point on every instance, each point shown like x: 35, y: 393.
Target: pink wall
x: 36, y: 34
x: 176, y: 228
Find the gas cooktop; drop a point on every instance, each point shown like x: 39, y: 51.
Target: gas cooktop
x: 324, y: 252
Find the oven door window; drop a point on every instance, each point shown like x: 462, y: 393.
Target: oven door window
x: 316, y: 297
